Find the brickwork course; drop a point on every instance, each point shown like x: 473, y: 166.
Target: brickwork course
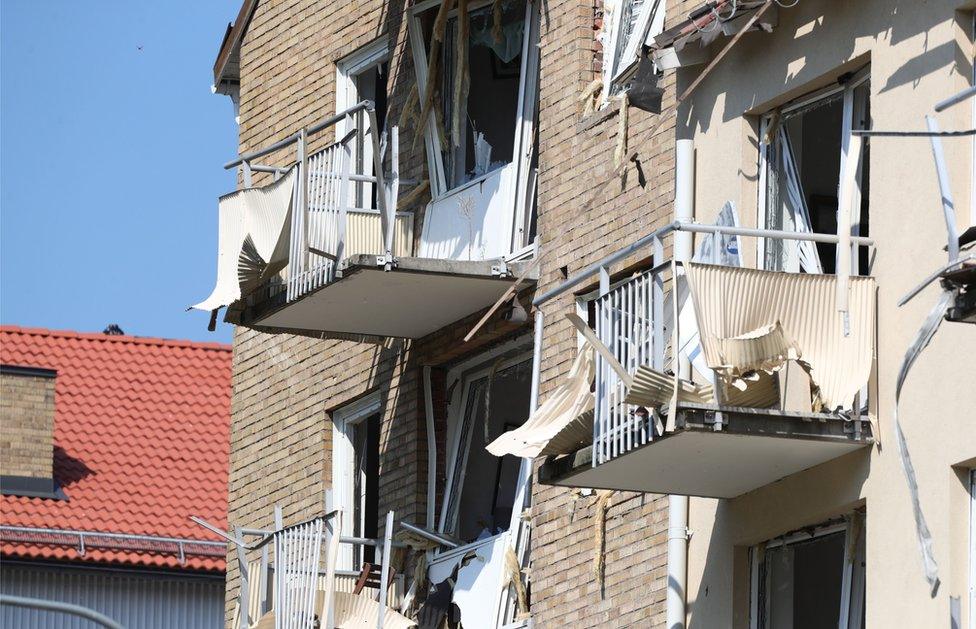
x: 285, y: 387
x: 27, y: 408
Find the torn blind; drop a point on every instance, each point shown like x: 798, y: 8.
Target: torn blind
x: 733, y: 302
x: 253, y: 228
x: 560, y: 425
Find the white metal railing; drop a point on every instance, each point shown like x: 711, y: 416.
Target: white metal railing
x: 626, y: 324
x: 327, y: 225
x: 630, y: 322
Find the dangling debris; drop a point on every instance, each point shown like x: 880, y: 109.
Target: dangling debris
x: 462, y: 78
x: 433, y: 63
x: 599, y: 535
x: 410, y: 108
x: 496, y: 25
x: 515, y: 581
x: 590, y: 96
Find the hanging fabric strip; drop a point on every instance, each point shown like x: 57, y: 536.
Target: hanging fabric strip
x: 921, y: 341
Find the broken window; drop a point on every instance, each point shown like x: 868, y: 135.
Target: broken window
x: 355, y: 477
x: 482, y: 487
x: 802, y: 153
x: 812, y: 579
x: 628, y: 24
x: 482, y: 79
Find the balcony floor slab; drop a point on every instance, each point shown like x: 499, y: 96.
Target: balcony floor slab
x: 755, y: 447
x: 417, y: 297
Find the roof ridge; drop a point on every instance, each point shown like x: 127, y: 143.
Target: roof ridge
x: 116, y: 338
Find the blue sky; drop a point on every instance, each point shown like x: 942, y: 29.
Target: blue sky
x: 111, y: 147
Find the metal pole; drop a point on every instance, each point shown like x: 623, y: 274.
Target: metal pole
x: 385, y: 570
x: 57, y: 606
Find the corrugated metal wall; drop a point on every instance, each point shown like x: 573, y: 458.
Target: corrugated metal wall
x: 134, y: 599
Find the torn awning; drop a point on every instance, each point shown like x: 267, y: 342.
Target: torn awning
x: 560, y: 425
x: 734, y: 302
x: 253, y: 227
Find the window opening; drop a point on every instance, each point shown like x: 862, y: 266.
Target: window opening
x: 484, y: 486
x: 803, y: 152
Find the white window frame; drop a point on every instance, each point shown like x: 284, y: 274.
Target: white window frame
x: 528, y: 95
x: 373, y: 54
x: 859, y: 78
x: 465, y: 375
x: 852, y: 579
x: 650, y: 23
x: 344, y: 423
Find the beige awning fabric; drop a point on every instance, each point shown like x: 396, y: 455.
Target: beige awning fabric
x: 736, y: 303
x: 253, y: 228
x: 560, y: 424
x: 356, y: 610
x: 652, y: 388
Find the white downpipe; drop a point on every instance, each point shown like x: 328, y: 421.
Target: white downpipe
x: 431, y: 449
x: 684, y: 210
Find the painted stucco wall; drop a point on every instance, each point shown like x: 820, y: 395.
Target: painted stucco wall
x: 919, y: 53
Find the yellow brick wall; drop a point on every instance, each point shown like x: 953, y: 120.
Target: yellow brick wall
x: 285, y: 386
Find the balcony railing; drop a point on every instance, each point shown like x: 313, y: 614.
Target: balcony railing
x: 637, y: 321
x: 326, y: 226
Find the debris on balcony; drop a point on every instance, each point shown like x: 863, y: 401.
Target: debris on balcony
x: 562, y: 423
x: 252, y: 239
x: 733, y: 302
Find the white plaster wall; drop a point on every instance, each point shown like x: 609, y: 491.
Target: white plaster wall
x: 919, y: 53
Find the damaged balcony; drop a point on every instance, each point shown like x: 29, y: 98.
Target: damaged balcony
x: 775, y: 371
x: 323, y: 250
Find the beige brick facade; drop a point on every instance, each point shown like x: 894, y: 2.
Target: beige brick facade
x: 27, y: 415
x: 284, y: 387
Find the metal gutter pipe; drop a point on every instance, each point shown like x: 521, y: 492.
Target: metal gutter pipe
x: 684, y: 211
x: 431, y: 449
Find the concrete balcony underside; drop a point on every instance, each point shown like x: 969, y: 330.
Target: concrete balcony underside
x: 753, y: 448
x: 417, y: 297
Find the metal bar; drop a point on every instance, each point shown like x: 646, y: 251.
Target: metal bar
x: 385, y: 570
x: 863, y: 241
x: 594, y: 268
x: 948, y: 207
x: 122, y: 536
x: 243, y: 594
x: 867, y: 133
x: 343, y: 202
x: 366, y: 105
x: 57, y: 606
x: 386, y: 218
x: 246, y: 171
x: 969, y: 92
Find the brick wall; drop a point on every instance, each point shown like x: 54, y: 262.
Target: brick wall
x: 27, y: 413
x: 284, y: 387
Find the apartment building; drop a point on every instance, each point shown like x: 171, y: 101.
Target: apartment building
x: 527, y: 275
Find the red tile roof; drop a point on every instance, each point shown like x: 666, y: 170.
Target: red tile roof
x: 141, y: 437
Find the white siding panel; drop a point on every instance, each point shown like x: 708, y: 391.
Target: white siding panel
x: 137, y: 600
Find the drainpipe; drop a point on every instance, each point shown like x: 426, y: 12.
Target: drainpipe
x: 684, y: 210
x: 431, y: 449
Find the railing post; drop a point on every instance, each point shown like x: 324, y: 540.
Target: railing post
x: 395, y: 179
x: 386, y: 219
x: 246, y: 172
x: 343, y: 206
x: 385, y: 568
x: 303, y: 193
x: 657, y: 303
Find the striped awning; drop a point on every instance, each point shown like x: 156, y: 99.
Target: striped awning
x: 253, y: 226
x: 560, y: 425
x: 750, y: 318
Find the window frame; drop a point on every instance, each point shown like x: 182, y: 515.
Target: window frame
x: 527, y: 98
x: 364, y: 59
x: 852, y: 580
x: 457, y: 418
x: 856, y: 79
x: 345, y: 421
x: 650, y: 22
